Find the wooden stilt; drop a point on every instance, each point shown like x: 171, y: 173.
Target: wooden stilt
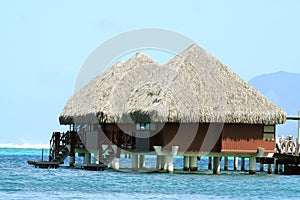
x: 72, y: 140
x: 193, y: 163
x: 261, y: 167
x: 225, y: 163
x: 142, y: 161
x: 164, y: 163
x: 170, y: 166
x: 134, y: 162
x: 243, y: 164
x: 72, y: 161
x: 186, y: 163
x: 280, y: 168
x: 209, y: 162
x: 269, y: 168
x: 235, y: 163
x: 96, y: 156
x: 275, y: 166
x: 216, y: 169
x: 285, y: 169
x: 158, y: 162
x: 252, y: 167
x: 87, y: 158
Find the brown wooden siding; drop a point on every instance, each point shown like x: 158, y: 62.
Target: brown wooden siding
x: 245, y: 138
x: 195, y: 137
x: 189, y: 137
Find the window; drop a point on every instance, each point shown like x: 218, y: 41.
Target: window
x: 145, y: 127
x: 138, y: 126
x: 269, y: 132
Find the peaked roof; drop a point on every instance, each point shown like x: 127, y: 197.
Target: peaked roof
x: 192, y: 87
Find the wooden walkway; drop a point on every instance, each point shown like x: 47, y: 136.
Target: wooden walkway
x: 43, y: 164
x: 94, y: 167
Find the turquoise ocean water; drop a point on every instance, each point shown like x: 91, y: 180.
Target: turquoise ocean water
x: 21, y: 181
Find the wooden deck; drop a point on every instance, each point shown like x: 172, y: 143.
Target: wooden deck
x: 94, y: 167
x: 43, y: 164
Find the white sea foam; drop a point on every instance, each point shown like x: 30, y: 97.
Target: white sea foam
x: 25, y: 146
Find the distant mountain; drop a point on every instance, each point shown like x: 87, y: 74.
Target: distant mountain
x: 283, y: 89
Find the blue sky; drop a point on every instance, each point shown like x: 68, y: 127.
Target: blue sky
x: 44, y: 44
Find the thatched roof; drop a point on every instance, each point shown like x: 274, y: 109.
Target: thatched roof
x: 192, y: 87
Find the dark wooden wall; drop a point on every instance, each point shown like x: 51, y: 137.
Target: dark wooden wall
x: 197, y: 137
x: 245, y: 138
x: 190, y: 137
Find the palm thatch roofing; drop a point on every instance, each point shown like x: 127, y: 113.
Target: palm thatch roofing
x: 192, y: 87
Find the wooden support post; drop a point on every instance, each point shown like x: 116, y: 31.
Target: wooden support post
x: 42, y: 155
x: 96, y: 156
x: 72, y: 153
x: 216, y: 169
x: 225, y: 163
x: 170, y: 166
x: 142, y: 161
x: 186, y: 163
x: 72, y: 161
x: 275, y: 166
x: 193, y: 163
x: 209, y: 162
x: 261, y: 167
x: 252, y: 163
x: 285, y: 168
x: 100, y: 140
x: 280, y: 168
x: 134, y: 162
x: 87, y: 158
x: 164, y: 163
x: 243, y: 164
x: 235, y: 163
x: 158, y: 162
x: 57, y: 143
x: 269, y: 168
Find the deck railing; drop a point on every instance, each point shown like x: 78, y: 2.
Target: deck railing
x: 288, y: 145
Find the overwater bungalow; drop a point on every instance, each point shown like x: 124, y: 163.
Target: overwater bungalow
x: 192, y: 106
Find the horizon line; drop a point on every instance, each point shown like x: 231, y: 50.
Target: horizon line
x: 25, y: 146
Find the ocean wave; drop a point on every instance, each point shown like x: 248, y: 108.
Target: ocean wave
x: 25, y: 146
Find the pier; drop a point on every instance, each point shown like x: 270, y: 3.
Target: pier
x: 284, y: 161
